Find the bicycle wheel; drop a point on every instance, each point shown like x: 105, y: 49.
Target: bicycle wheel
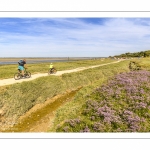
x: 17, y: 76
x: 54, y: 71
x: 49, y: 71
x: 27, y: 74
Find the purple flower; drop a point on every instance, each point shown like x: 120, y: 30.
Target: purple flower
x: 66, y: 129
x: 86, y: 129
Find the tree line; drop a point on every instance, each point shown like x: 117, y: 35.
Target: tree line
x: 136, y: 54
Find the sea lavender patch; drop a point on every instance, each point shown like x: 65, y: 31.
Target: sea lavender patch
x: 121, y: 105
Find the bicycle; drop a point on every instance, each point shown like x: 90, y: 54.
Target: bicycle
x: 19, y: 75
x: 52, y: 71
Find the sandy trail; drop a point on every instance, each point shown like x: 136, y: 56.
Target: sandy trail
x: 40, y: 117
x: 59, y: 73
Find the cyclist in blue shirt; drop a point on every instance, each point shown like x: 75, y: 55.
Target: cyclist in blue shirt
x: 22, y: 66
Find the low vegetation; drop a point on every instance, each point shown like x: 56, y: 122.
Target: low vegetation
x: 17, y: 99
x: 110, y: 100
x: 8, y: 71
x: 135, y: 54
x: 121, y: 103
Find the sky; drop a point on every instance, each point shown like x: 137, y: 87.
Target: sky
x: 73, y: 37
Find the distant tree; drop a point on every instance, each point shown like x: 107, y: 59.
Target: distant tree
x: 136, y: 54
x: 147, y: 54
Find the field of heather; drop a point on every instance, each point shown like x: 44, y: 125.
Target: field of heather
x: 122, y: 104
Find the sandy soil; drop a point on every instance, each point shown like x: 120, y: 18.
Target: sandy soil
x: 59, y: 73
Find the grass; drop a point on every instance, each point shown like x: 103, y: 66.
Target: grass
x: 7, y: 71
x: 120, y: 105
x: 79, y: 114
x: 144, y: 63
x: 17, y: 99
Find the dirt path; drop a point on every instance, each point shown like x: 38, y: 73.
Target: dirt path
x: 59, y: 73
x: 40, y: 117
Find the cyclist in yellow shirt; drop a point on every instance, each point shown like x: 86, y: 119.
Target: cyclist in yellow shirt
x: 52, y: 70
x: 51, y: 66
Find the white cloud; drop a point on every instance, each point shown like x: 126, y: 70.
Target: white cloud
x: 74, y: 37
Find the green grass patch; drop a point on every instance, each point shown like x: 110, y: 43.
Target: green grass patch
x: 17, y: 99
x: 8, y: 71
x: 92, y: 78
x: 75, y: 117
x: 143, y: 63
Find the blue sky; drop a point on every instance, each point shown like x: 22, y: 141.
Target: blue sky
x: 73, y: 37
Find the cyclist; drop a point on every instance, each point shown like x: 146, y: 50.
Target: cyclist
x: 51, y: 66
x: 22, y: 66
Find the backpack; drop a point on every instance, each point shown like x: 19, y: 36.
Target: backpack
x: 20, y: 62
